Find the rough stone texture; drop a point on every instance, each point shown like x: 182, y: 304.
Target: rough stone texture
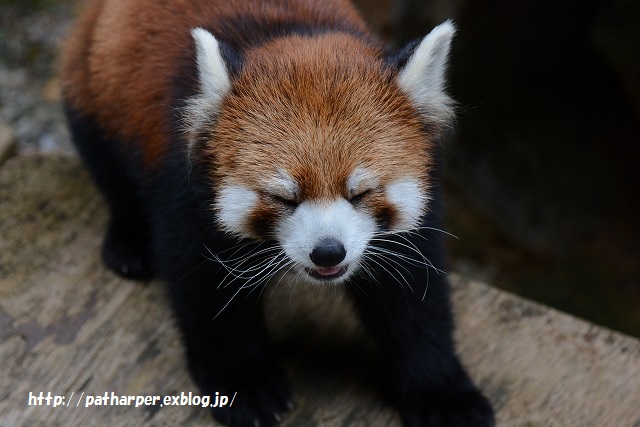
x: 67, y: 325
x: 7, y: 142
x: 30, y: 34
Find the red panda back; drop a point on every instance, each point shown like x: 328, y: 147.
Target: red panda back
x: 122, y: 57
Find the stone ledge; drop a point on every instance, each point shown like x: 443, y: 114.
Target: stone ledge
x: 68, y: 325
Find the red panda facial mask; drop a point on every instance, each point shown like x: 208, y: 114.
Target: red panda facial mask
x: 319, y: 150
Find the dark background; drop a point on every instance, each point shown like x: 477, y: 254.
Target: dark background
x: 542, y: 167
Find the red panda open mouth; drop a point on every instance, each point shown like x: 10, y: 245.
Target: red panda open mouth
x: 326, y: 273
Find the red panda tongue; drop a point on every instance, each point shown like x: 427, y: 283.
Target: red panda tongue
x: 327, y: 271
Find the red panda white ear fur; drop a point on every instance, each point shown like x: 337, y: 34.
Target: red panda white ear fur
x: 423, y: 76
x: 214, y: 84
x: 212, y: 71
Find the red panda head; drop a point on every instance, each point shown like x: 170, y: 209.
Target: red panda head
x: 318, y: 144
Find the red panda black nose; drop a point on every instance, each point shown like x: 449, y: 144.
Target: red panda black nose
x: 328, y: 253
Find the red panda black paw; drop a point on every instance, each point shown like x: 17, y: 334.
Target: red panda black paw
x: 258, y: 402
x: 466, y: 408
x: 124, y: 251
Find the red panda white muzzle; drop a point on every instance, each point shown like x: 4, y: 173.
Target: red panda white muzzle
x: 314, y: 224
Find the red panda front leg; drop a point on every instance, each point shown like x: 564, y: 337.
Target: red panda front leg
x: 228, y: 349
x: 125, y: 248
x: 426, y: 381
x: 414, y: 328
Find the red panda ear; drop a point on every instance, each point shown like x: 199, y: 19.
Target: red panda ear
x: 213, y: 77
x: 422, y: 77
x: 212, y: 70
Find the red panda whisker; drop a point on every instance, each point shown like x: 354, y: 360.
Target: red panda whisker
x: 227, y: 304
x: 237, y: 248
x: 245, y: 286
x: 414, y: 231
x: 364, y: 267
x: 265, y: 276
x: 241, y: 274
x: 391, y: 255
x: 388, y: 258
x: 234, y: 272
x: 410, y: 231
x: 287, y: 263
x: 295, y: 280
x: 437, y: 270
x: 426, y: 287
x: 246, y: 279
x: 248, y: 258
x: 380, y: 250
x: 259, y: 269
x: 411, y: 247
x: 439, y: 230
x: 185, y: 275
x: 426, y: 265
x: 249, y: 255
x: 291, y: 266
x: 236, y: 266
x: 375, y: 261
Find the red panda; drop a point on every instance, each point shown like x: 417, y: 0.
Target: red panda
x: 244, y: 143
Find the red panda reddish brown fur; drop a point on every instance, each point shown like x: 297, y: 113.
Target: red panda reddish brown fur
x: 246, y: 143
